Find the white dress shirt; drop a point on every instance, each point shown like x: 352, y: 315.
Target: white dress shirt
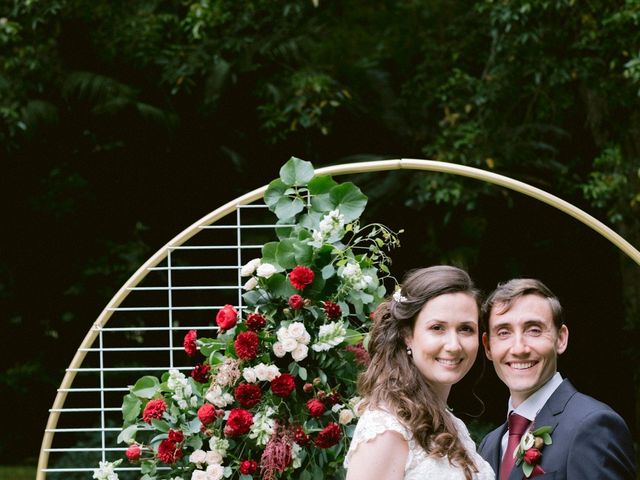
x: 532, y: 405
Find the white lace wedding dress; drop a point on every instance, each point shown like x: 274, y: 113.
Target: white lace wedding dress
x: 419, y: 465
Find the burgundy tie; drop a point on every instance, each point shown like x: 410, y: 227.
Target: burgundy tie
x: 517, y: 427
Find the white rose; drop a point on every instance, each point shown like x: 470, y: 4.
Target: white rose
x: 272, y: 373
x: 300, y: 352
x: 262, y: 371
x: 296, y: 330
x: 198, y: 457
x: 250, y: 284
x: 346, y: 415
x: 213, y: 457
x: 199, y: 475
x: 306, y: 338
x: 249, y: 374
x: 215, y: 472
x: 289, y: 344
x: 250, y: 267
x: 278, y: 350
x: 265, y: 270
x: 283, y: 334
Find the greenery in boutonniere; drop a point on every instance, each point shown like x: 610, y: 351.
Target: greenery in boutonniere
x: 529, y: 451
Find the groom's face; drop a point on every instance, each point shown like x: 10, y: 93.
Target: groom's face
x: 523, y: 343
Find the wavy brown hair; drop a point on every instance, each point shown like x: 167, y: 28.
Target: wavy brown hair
x: 392, y: 381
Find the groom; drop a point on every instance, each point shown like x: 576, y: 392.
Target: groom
x: 524, y: 334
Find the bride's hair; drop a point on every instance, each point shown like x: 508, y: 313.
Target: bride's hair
x: 391, y: 381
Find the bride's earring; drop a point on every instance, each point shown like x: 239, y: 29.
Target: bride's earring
x: 409, y: 351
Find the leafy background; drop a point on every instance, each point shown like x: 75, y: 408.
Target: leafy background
x: 123, y: 122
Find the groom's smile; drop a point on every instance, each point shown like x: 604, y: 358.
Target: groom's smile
x: 523, y: 343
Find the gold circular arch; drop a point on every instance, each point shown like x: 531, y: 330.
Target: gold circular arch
x: 352, y: 168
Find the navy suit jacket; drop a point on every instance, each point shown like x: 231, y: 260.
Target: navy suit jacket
x: 590, y: 440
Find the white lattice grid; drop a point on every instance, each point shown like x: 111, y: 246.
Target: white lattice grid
x: 180, y: 288
x: 182, y: 293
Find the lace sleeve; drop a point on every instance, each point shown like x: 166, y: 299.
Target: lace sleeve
x: 373, y: 423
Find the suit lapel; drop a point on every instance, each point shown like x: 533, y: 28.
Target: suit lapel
x: 549, y: 416
x: 494, y: 458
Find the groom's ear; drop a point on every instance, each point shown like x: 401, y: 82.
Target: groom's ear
x: 487, y: 348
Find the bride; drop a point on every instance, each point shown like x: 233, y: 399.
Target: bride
x: 424, y: 339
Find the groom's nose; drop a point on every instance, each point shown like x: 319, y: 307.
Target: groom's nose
x: 519, y: 345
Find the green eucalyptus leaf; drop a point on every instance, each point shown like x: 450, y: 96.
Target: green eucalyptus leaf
x: 296, y: 172
x: 128, y: 434
x: 547, y: 439
x: 148, y: 467
x: 302, y: 373
x: 328, y: 271
x: 209, y: 345
x: 322, y: 204
x: 287, y: 208
x: 160, y: 425
x: 279, y: 286
x: 285, y: 253
x: 527, y: 469
x: 285, y: 230
x: 275, y: 191
x: 146, y: 387
x: 131, y: 407
x: 349, y: 200
x: 321, y: 184
x: 254, y: 297
x: 269, y: 252
x: 303, y: 253
x: 353, y: 337
x: 216, y: 358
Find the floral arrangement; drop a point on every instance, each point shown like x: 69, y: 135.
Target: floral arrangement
x: 529, y: 451
x: 274, y: 395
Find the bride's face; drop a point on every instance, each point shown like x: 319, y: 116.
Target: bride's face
x: 445, y: 340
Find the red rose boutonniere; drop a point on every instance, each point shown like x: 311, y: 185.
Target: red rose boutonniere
x: 529, y: 451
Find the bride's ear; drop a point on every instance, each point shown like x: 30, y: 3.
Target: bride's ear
x: 487, y: 348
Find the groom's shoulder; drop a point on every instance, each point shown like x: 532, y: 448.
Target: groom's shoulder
x: 581, y: 406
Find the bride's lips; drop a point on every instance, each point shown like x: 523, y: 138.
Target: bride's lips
x: 522, y: 365
x: 449, y: 362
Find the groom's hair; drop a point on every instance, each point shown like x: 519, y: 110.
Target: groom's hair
x: 507, y: 293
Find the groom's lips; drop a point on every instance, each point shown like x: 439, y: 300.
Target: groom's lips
x: 522, y: 365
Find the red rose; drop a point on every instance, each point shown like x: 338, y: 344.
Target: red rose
x: 169, y: 452
x: 227, y: 317
x: 190, y: 343
x: 300, y: 437
x: 200, y: 372
x: 316, y: 407
x: 532, y: 456
x: 283, y: 385
x: 247, y: 467
x: 246, y: 344
x: 248, y: 395
x: 154, y: 409
x: 329, y: 436
x: 296, y: 302
x: 256, y: 322
x: 238, y: 423
x: 207, y: 413
x: 133, y: 453
x: 300, y: 277
x: 307, y: 388
x: 176, y: 436
x: 331, y: 310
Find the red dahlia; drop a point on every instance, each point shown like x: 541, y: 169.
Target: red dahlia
x: 316, y: 407
x: 296, y: 302
x: 200, y: 372
x: 189, y: 343
x: 154, y: 409
x: 176, y: 436
x: 256, y: 322
x: 246, y: 345
x: 300, y: 277
x: 247, y: 467
x: 207, y: 413
x: 331, y: 310
x: 169, y: 452
x: 329, y: 436
x: 300, y: 437
x: 133, y: 453
x: 238, y: 423
x: 283, y: 385
x: 248, y: 395
x: 226, y: 317
x: 362, y: 356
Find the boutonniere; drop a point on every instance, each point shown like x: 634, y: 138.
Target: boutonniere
x: 529, y: 451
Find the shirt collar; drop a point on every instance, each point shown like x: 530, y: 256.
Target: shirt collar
x: 532, y: 405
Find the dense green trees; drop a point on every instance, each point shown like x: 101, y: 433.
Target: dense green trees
x: 123, y: 121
